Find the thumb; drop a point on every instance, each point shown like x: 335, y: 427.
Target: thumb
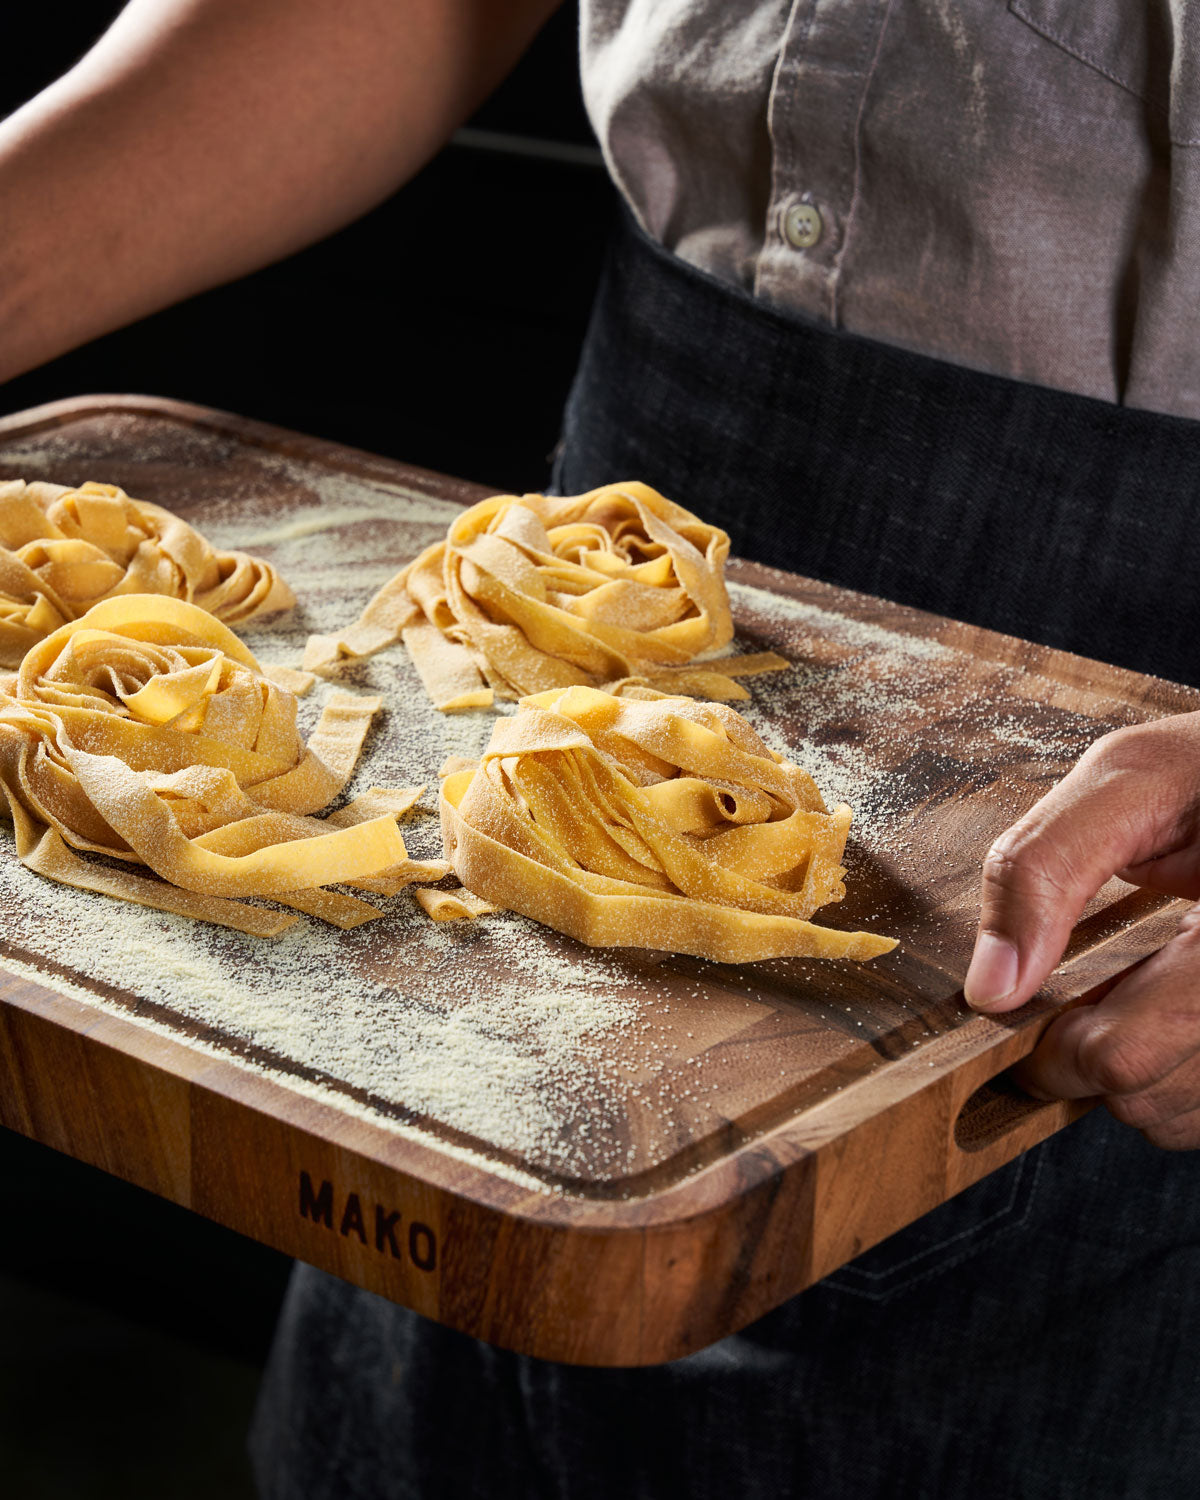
x: 1041, y: 873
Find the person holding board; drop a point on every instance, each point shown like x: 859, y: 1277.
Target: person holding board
x: 904, y: 299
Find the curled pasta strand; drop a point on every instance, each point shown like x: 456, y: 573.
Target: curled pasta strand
x: 146, y: 731
x: 63, y: 550
x: 532, y: 592
x: 661, y: 823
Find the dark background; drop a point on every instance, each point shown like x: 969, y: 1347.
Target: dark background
x: 442, y: 329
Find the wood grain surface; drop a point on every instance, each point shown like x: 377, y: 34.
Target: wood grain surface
x: 739, y: 1134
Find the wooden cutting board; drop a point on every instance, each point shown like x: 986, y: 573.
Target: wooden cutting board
x: 601, y: 1157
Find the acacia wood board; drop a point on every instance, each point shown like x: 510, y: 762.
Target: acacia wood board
x: 637, y: 1190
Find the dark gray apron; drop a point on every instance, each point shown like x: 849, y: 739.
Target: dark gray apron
x: 1046, y: 515
x: 1037, y: 1337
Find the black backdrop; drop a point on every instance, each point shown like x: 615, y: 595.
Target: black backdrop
x: 441, y: 329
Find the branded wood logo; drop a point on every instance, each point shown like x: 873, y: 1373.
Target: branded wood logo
x: 393, y: 1234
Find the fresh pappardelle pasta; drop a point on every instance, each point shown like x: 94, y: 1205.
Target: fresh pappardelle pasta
x: 653, y: 822
x: 532, y: 592
x: 146, y: 731
x: 63, y: 550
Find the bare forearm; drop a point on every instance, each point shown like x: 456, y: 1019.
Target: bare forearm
x: 203, y: 138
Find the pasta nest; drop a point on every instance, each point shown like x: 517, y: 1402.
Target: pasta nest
x: 658, y: 822
x: 532, y: 592
x: 146, y: 731
x: 63, y: 550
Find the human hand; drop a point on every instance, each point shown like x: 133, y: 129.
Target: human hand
x: 1131, y: 808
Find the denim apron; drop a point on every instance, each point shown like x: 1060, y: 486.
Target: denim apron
x: 1037, y: 1337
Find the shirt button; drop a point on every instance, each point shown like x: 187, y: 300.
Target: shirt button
x: 802, y: 225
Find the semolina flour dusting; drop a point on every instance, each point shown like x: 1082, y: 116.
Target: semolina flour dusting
x: 500, y: 1039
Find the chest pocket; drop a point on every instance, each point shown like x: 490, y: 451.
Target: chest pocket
x: 1150, y: 48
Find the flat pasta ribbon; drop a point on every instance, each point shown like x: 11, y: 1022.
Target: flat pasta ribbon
x: 533, y: 592
x: 147, y: 732
x: 63, y: 550
x: 657, y: 823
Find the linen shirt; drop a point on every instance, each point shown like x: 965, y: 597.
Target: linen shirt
x: 1009, y: 186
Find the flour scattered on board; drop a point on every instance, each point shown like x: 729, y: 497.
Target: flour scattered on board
x: 505, y: 1036
x: 386, y: 1019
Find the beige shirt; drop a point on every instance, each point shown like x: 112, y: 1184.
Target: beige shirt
x: 1011, y: 186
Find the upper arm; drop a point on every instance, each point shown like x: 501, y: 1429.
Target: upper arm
x: 200, y: 139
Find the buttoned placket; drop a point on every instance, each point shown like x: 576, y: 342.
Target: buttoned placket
x: 813, y: 119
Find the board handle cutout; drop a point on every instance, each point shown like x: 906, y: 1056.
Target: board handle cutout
x: 998, y: 1108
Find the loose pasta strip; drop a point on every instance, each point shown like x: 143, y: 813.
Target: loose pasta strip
x: 661, y: 823
x: 146, y: 731
x: 63, y: 550
x: 43, y: 851
x: 533, y: 592
x: 450, y: 906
